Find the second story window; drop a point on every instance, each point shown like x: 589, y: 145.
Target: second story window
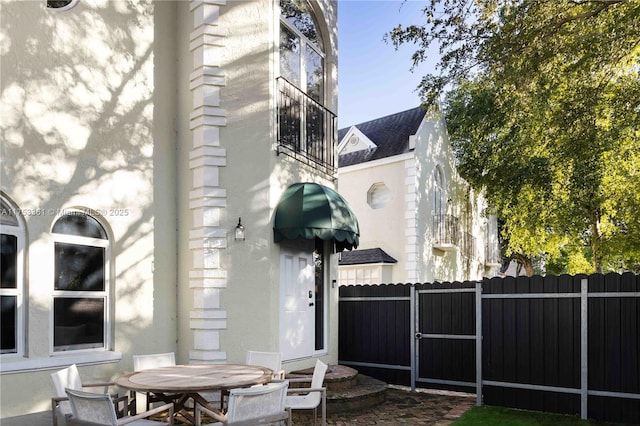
x: 305, y: 126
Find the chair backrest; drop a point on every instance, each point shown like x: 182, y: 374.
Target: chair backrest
x: 145, y: 362
x: 319, y: 371
x: 318, y: 374
x: 272, y: 360
x: 94, y: 407
x: 66, y: 378
x: 254, y: 402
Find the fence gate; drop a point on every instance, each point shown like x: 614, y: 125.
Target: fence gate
x: 447, y: 337
x: 565, y: 344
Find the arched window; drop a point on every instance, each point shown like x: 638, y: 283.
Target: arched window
x: 12, y: 249
x: 305, y: 125
x: 60, y: 5
x: 81, y: 283
x: 301, y: 48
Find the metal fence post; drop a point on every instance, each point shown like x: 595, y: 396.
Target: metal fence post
x: 412, y: 322
x: 478, y: 343
x: 584, y: 346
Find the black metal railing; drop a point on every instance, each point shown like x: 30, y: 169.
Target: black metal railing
x: 469, y: 245
x: 306, y: 129
x: 445, y: 230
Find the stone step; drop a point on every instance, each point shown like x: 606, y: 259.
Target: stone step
x: 368, y: 392
x: 347, y: 390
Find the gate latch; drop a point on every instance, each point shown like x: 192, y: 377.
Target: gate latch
x: 418, y: 335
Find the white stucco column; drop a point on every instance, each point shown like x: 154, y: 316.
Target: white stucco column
x: 207, y: 199
x: 411, y: 220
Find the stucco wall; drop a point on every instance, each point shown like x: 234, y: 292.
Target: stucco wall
x: 240, y: 310
x: 384, y: 227
x: 87, y: 111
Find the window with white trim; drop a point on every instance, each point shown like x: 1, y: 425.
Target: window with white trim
x: 12, y: 249
x: 378, y: 196
x: 61, y: 5
x: 306, y: 126
x: 81, y: 301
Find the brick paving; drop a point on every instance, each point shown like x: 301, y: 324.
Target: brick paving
x: 401, y: 408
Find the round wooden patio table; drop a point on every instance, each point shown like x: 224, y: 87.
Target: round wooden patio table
x: 180, y: 383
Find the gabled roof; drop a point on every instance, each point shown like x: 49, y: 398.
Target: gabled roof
x: 390, y: 134
x: 359, y: 257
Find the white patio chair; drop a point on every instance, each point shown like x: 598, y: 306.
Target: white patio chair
x: 90, y: 409
x: 271, y: 360
x: 312, y: 397
x: 260, y: 405
x: 70, y: 378
x: 142, y: 401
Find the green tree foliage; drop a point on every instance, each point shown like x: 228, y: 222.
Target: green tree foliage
x: 543, y: 110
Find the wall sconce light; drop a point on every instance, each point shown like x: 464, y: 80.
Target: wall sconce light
x: 239, y: 230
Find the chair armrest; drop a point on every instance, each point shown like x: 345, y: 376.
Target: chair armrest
x: 300, y: 380
x: 93, y: 385
x: 146, y: 414
x: 77, y: 422
x: 262, y: 420
x: 56, y: 399
x: 306, y: 390
x: 214, y: 414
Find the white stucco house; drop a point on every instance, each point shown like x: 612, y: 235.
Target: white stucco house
x: 159, y: 163
x: 420, y: 221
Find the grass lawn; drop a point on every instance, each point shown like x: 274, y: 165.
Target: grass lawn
x: 485, y: 415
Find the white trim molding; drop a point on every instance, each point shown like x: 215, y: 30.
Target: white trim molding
x: 207, y: 199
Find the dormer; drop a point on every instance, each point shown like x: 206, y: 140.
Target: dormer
x: 354, y: 140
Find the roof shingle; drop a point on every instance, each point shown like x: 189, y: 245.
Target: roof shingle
x: 390, y: 134
x: 359, y: 257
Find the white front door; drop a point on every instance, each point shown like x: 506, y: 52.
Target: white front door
x: 297, y: 299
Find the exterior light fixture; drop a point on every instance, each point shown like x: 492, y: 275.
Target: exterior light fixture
x: 239, y: 230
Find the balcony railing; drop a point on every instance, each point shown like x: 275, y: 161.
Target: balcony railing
x: 306, y: 129
x: 445, y: 232
x: 468, y: 245
x: 492, y: 254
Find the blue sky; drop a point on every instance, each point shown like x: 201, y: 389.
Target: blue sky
x: 374, y: 79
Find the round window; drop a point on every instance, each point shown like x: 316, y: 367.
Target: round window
x: 61, y: 5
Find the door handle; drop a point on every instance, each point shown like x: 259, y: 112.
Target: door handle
x: 311, y: 304
x: 310, y: 294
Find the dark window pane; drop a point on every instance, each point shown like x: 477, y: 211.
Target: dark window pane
x: 8, y: 337
x: 79, y: 323
x: 8, y: 261
x: 79, y: 268
x: 56, y: 4
x: 80, y: 224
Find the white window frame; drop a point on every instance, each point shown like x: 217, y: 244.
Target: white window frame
x: 69, y: 6
x: 20, y: 232
x: 378, y: 196
x: 304, y: 43
x: 105, y: 294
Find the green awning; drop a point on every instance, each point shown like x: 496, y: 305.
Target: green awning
x: 309, y: 210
